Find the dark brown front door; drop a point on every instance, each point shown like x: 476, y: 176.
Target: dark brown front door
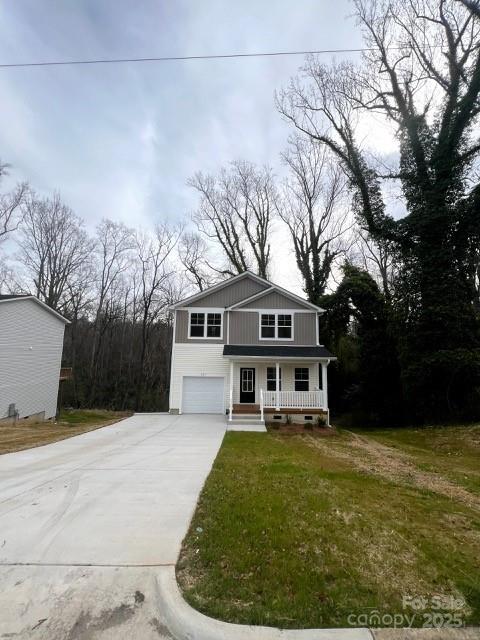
x: 247, y: 386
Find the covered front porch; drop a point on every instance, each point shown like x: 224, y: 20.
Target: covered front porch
x: 264, y: 386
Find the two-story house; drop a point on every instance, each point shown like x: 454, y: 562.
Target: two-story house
x: 248, y: 347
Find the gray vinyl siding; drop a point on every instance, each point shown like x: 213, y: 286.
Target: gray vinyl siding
x: 273, y: 300
x: 31, y: 343
x: 244, y: 329
x: 181, y: 331
x: 231, y: 294
x: 244, y: 325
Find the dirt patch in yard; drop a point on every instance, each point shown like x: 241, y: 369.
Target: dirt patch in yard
x: 379, y: 459
x: 25, y: 435
x: 298, y: 429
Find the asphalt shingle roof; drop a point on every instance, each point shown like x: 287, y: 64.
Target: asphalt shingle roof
x: 276, y: 351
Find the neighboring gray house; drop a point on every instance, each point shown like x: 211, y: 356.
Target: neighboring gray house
x: 248, y: 346
x: 31, y: 343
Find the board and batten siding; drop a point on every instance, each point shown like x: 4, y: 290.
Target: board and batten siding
x: 231, y: 294
x: 31, y: 343
x: 273, y: 300
x: 196, y: 360
x: 245, y: 328
x: 181, y: 330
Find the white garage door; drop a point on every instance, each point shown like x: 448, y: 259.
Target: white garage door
x: 202, y: 395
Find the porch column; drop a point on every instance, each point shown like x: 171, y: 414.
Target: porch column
x: 325, y: 384
x: 277, y: 386
x: 231, y: 392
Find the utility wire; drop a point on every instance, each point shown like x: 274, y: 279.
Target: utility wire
x: 55, y: 63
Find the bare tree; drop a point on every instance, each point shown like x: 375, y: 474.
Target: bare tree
x: 432, y: 97
x: 8, y: 279
x: 313, y: 207
x: 112, y: 254
x: 54, y: 246
x: 252, y: 196
x: 236, y: 211
x: 11, y: 205
x: 473, y: 5
x: 152, y: 254
x: 192, y: 251
x: 420, y: 74
x: 377, y: 259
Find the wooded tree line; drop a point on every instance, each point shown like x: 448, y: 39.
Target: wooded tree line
x: 389, y: 245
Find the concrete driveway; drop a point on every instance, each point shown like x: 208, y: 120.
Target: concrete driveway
x: 86, y: 522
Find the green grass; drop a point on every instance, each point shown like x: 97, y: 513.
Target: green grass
x: 298, y: 532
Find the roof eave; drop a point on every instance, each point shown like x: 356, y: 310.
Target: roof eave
x: 270, y: 358
x: 217, y: 287
x: 42, y: 304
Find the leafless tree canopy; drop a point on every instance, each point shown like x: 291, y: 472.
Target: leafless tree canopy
x: 153, y: 253
x: 312, y: 205
x: 11, y: 206
x: 236, y: 210
x: 422, y: 66
x: 376, y: 258
x: 421, y: 74
x: 54, y: 246
x: 193, y: 254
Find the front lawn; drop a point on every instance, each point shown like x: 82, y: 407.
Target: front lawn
x: 302, y: 531
x: 22, y: 435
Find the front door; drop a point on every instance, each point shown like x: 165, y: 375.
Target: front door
x: 247, y: 386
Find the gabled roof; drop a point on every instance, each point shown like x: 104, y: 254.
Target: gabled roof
x: 217, y: 287
x: 284, y: 292
x: 16, y: 297
x: 270, y: 288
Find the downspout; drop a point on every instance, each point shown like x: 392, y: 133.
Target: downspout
x: 172, y: 354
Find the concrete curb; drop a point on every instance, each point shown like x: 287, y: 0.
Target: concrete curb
x: 185, y: 623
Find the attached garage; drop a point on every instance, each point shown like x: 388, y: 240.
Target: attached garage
x: 203, y: 394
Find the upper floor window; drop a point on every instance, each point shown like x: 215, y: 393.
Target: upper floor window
x: 276, y: 326
x: 205, y: 325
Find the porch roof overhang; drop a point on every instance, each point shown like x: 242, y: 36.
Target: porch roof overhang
x: 282, y: 352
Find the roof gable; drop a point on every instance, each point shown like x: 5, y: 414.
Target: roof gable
x: 272, y: 299
x: 4, y: 299
x: 242, y: 290
x: 227, y: 292
x: 276, y: 297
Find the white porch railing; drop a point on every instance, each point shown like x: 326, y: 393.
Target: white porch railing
x: 292, y: 399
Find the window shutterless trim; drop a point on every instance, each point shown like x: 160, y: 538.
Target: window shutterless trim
x: 301, y: 379
x: 275, y: 314
x: 274, y: 379
x: 206, y: 313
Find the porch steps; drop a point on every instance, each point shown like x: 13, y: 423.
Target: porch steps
x: 245, y: 422
x: 241, y: 426
x: 246, y: 408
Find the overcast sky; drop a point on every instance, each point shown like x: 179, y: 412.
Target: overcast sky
x: 121, y: 140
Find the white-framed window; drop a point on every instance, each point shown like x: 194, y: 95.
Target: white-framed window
x: 276, y: 326
x: 205, y: 325
x: 302, y: 375
x: 272, y: 379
